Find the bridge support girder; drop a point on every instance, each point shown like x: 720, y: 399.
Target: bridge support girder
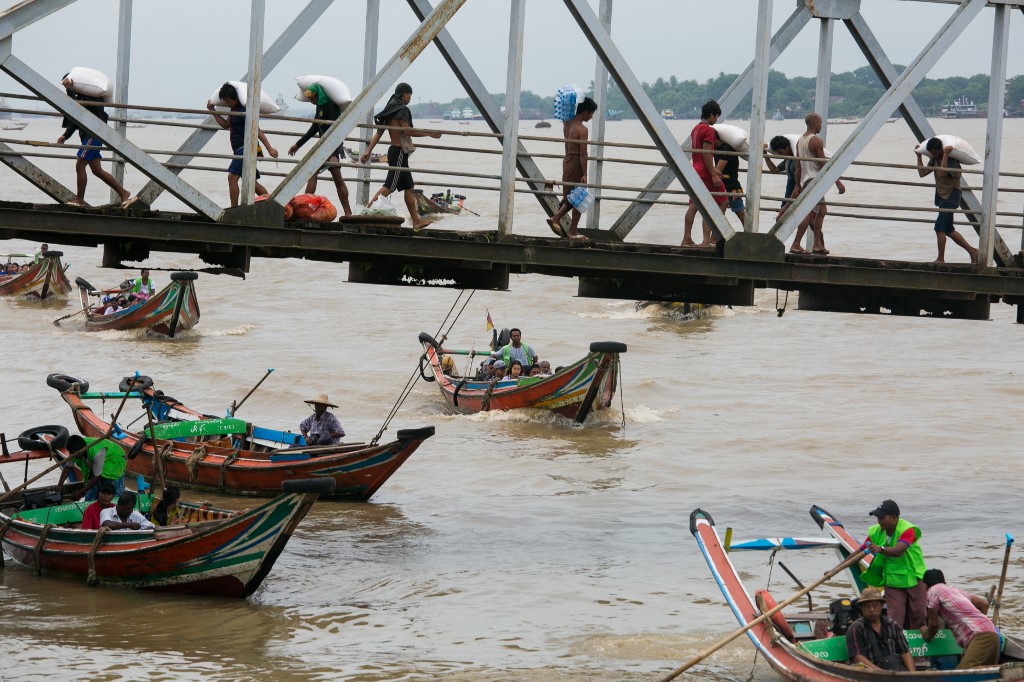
x: 459, y: 275
x: 705, y: 290
x: 894, y: 302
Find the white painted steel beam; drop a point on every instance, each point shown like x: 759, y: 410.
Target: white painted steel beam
x: 271, y: 58
x: 729, y: 101
x: 994, y: 137
x: 510, y: 141
x: 27, y: 13
x: 369, y: 71
x: 56, y: 97
x: 912, y: 114
x: 758, y: 115
x: 382, y: 84
x: 35, y: 175
x: 595, y: 172
x: 648, y: 114
x: 254, y: 86
x: 876, y: 118
x: 822, y: 92
x: 489, y: 109
x: 124, y: 56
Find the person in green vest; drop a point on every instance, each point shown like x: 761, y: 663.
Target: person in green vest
x: 141, y: 286
x: 102, y: 462
x: 897, y: 566
x: 516, y: 350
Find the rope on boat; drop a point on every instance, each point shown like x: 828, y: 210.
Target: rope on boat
x: 160, y: 463
x: 38, y: 551
x: 485, y: 402
x: 407, y: 390
x: 193, y: 461
x: 622, y: 390
x: 5, y: 525
x: 93, y: 580
x: 228, y: 461
x: 781, y: 309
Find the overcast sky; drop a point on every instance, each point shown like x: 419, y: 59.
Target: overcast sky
x: 182, y: 50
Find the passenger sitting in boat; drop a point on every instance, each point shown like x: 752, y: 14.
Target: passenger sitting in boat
x: 535, y: 371
x: 545, y: 367
x: 497, y: 370
x: 448, y: 365
x: 142, y: 286
x: 516, y: 350
x: 91, y: 516
x: 124, y: 516
x: 117, y: 304
x: 515, y: 370
x: 25, y: 267
x: 873, y: 640
x: 484, y: 372
x: 167, y: 511
x: 321, y: 427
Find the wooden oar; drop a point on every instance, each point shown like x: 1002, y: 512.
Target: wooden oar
x: 1002, y: 580
x: 234, y: 407
x: 79, y: 312
x: 110, y: 430
x: 850, y: 561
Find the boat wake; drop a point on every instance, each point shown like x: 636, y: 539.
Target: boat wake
x: 240, y: 330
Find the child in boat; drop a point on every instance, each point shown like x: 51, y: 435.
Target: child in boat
x: 535, y: 371
x: 167, y: 511
x: 91, y: 516
x: 515, y: 370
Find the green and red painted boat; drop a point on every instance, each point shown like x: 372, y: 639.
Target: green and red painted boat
x: 45, y: 279
x: 230, y: 455
x: 800, y: 649
x: 573, y: 392
x: 173, y: 309
x: 214, y: 552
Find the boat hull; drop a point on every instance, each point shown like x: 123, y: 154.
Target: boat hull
x: 173, y: 309
x: 589, y: 384
x: 45, y: 279
x: 226, y: 558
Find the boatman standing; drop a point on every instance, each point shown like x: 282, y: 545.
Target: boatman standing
x: 321, y: 427
x: 516, y: 350
x: 898, y: 566
x: 102, y: 463
x: 964, y: 614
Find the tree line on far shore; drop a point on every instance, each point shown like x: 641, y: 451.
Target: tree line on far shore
x: 853, y: 93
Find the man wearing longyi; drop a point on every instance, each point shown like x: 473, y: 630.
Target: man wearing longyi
x: 897, y: 566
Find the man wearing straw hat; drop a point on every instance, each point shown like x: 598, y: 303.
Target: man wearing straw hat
x: 873, y: 640
x: 321, y: 427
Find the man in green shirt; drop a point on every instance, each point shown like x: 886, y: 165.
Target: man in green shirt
x: 102, y: 463
x: 897, y: 566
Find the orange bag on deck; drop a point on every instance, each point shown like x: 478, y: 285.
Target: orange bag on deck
x: 312, y: 207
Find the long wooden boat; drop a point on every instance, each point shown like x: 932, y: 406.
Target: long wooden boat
x: 45, y: 279
x: 437, y: 203
x: 216, y: 552
x: 172, y: 309
x: 232, y: 456
x: 809, y: 659
x: 573, y: 392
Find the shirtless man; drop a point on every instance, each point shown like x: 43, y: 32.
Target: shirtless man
x: 396, y: 113
x: 810, y: 145
x: 574, y: 166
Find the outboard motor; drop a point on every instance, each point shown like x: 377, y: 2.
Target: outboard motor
x: 841, y: 612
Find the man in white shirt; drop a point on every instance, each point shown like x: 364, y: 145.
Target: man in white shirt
x: 124, y: 516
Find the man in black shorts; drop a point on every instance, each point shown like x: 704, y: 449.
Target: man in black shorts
x: 396, y: 113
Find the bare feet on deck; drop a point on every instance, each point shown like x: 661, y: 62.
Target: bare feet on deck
x: 575, y: 235
x: 797, y: 249
x: 820, y: 252
x: 416, y: 227
x: 556, y: 227
x: 688, y: 242
x: 77, y: 202
x: 128, y: 201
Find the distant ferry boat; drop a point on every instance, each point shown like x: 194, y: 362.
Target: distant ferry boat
x: 281, y: 104
x: 668, y: 114
x: 960, y: 108
x: 468, y: 114
x: 777, y: 116
x: 843, y: 121
x: 453, y: 115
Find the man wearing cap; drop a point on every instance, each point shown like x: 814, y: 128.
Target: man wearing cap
x: 897, y: 566
x: 964, y: 614
x: 321, y: 427
x: 875, y: 641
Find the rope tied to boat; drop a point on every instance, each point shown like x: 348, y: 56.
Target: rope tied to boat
x: 622, y: 390
x: 228, y: 461
x: 407, y: 390
x: 781, y: 309
x: 38, y: 551
x: 5, y: 525
x: 485, y: 401
x: 93, y: 579
x: 193, y: 461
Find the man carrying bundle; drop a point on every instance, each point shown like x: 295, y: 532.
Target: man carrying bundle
x: 326, y: 110
x: 947, y: 195
x: 236, y: 124
x: 574, y: 166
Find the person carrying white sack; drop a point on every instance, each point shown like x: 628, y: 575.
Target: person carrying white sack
x: 947, y: 195
x: 326, y: 110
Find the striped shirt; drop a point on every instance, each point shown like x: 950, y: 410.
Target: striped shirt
x: 960, y: 615
x: 862, y: 640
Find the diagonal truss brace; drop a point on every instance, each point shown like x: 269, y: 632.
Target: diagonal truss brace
x: 271, y: 58
x: 34, y: 174
x: 364, y: 102
x: 912, y: 113
x: 488, y: 108
x: 729, y: 101
x: 875, y: 119
x: 132, y: 154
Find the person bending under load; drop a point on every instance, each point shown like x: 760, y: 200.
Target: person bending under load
x: 89, y: 155
x: 781, y: 146
x: 396, y: 113
x: 124, y: 516
x: 947, y: 195
x: 574, y: 166
x: 236, y: 124
x: 703, y: 141
x: 326, y: 110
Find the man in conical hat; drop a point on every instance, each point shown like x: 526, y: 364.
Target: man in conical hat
x: 321, y: 427
x: 873, y: 640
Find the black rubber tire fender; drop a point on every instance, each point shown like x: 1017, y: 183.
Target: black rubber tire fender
x: 504, y: 338
x: 607, y: 347
x: 184, y: 276
x: 427, y: 338
x: 53, y: 254
x: 27, y: 439
x: 458, y: 387
x: 136, y: 449
x: 422, y: 433
x: 82, y: 283
x: 323, y: 484
x: 142, y: 383
x: 423, y: 373
x: 64, y: 382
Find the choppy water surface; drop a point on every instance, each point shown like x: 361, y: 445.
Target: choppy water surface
x: 516, y: 546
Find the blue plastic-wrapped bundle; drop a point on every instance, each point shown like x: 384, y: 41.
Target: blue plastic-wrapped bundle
x: 565, y: 102
x: 581, y: 199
